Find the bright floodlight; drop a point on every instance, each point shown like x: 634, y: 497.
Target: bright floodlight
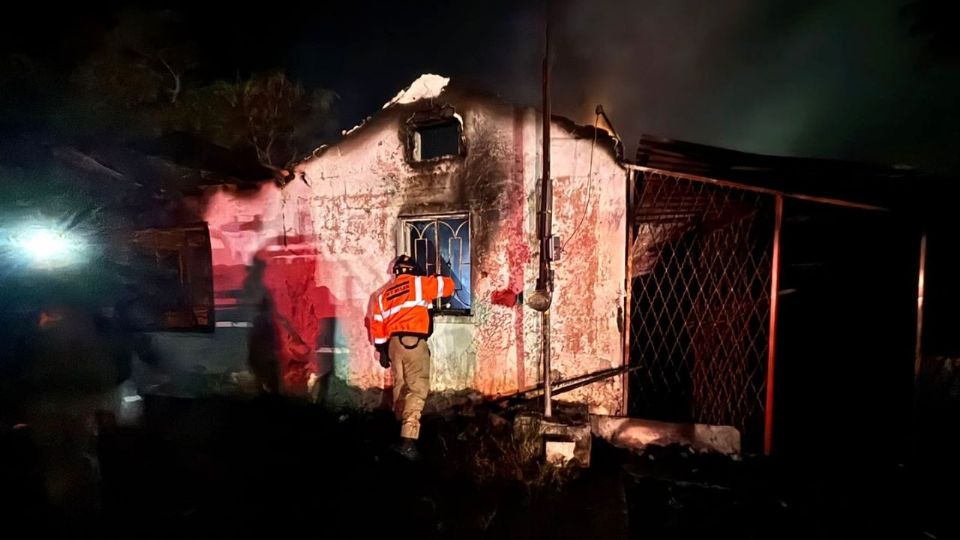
x: 49, y: 248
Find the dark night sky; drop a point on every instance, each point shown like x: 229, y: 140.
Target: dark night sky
x: 843, y: 79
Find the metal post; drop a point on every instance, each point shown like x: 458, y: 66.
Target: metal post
x: 918, y: 351
x: 545, y: 280
x: 628, y: 290
x: 771, y: 347
x: 547, y: 380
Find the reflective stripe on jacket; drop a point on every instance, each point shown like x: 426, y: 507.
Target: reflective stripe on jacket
x: 403, y: 307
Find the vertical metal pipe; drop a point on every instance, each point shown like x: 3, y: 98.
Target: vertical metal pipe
x: 545, y: 223
x: 918, y: 351
x: 547, y: 382
x: 628, y: 290
x: 772, y: 344
x: 545, y: 281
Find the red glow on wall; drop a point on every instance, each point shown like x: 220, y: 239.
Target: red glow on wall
x: 259, y: 264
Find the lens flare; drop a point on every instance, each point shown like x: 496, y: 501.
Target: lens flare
x: 49, y: 248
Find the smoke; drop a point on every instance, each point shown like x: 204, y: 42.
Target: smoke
x: 850, y: 79
x: 840, y: 79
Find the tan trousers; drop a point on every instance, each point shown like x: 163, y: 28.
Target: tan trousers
x: 411, y: 376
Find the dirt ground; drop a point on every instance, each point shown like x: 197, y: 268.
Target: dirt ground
x: 268, y: 466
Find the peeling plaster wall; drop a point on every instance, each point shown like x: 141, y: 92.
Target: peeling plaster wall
x: 589, y: 217
x: 335, y: 228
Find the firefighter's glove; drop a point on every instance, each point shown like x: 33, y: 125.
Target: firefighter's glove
x: 384, y: 356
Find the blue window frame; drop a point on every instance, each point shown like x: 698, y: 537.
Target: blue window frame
x: 441, y: 244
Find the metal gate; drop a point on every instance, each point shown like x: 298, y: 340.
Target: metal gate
x: 700, y: 266
x: 703, y: 265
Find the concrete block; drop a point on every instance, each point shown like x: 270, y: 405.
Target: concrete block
x: 559, y: 452
x: 544, y: 437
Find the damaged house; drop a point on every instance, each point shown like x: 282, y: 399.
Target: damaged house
x: 713, y: 274
x: 449, y: 177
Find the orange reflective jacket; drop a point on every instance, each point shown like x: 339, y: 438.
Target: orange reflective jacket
x: 403, y: 307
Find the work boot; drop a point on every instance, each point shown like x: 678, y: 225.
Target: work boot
x: 407, y: 448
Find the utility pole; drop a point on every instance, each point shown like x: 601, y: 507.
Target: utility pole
x: 541, y: 299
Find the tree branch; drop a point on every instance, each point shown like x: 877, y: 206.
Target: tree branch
x: 85, y: 162
x: 175, y: 92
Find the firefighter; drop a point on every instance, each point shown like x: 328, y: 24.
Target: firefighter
x: 400, y: 324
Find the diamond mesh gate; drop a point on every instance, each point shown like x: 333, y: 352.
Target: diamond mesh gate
x: 699, y: 324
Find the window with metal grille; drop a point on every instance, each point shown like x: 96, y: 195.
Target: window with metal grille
x: 441, y: 245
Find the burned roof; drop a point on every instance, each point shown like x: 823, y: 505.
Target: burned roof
x: 604, y: 137
x: 430, y: 88
x: 863, y: 183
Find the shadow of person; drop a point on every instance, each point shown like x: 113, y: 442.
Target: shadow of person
x: 262, y: 359
x: 327, y: 346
